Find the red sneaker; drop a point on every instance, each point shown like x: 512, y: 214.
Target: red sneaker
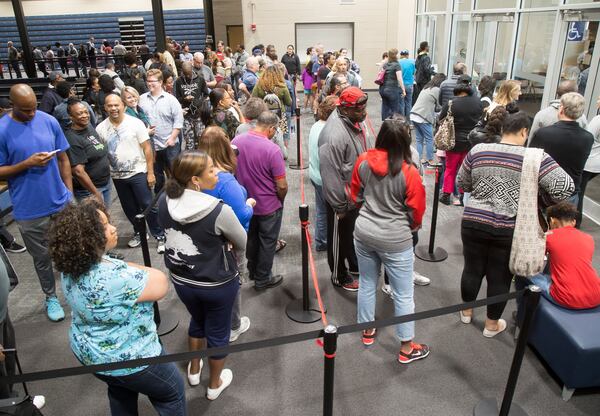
x: 369, y: 338
x: 351, y: 286
x: 418, y: 352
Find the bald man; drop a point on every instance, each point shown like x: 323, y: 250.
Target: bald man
x: 33, y: 160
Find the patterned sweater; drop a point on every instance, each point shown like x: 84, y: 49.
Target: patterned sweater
x: 492, y: 173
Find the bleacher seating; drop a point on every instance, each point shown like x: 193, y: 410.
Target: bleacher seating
x: 182, y: 25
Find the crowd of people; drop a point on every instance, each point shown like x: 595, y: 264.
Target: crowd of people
x: 197, y: 143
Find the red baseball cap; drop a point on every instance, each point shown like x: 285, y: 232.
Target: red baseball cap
x: 352, y: 96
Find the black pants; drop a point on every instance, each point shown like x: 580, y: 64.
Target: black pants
x: 486, y: 255
x: 15, y: 66
x: 340, y: 246
x: 260, y: 248
x: 162, y: 164
x: 7, y: 367
x: 585, y: 178
x: 64, y: 66
x: 42, y: 67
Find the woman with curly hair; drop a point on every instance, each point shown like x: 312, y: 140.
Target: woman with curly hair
x: 273, y: 82
x: 112, y: 313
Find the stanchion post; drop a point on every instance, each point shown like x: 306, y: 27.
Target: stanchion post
x: 432, y: 254
x: 329, y: 349
x: 489, y: 407
x: 171, y: 323
x: 298, y: 164
x: 299, y: 310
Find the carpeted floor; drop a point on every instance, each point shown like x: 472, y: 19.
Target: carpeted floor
x: 463, y: 367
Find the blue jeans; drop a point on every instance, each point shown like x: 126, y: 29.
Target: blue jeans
x: 399, y: 268
x: 135, y: 196
x: 405, y: 103
x: 389, y: 100
x: 104, y: 190
x: 162, y: 383
x: 542, y: 281
x: 424, y: 133
x: 321, y: 217
x: 164, y: 158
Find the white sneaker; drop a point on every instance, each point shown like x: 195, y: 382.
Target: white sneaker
x: 226, y: 378
x: 387, y: 289
x: 194, y: 379
x: 420, y: 280
x: 39, y: 401
x: 244, y: 326
x: 160, y: 248
x: 135, y: 241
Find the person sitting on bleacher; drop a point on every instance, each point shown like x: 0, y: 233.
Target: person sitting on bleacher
x: 573, y: 282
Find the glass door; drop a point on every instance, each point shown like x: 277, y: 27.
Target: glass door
x: 432, y: 28
x: 493, y: 46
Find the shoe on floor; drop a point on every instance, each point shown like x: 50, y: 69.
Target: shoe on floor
x: 418, y: 352
x: 39, y: 401
x: 321, y: 247
x: 368, y: 339
x: 160, y: 248
x: 420, y: 280
x: 54, y: 310
x: 194, y: 379
x: 275, y: 281
x: 15, y: 247
x: 387, y: 289
x: 226, y: 379
x: 244, y: 326
x: 115, y: 255
x: 465, y: 319
x: 501, y: 327
x: 351, y: 286
x: 445, y: 199
x: 281, y: 244
x: 135, y: 241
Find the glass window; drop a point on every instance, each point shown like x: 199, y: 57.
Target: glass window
x: 436, y: 5
x: 495, y: 4
x: 492, y: 50
x: 531, y: 58
x: 460, y: 41
x: 580, y: 1
x: 462, y: 5
x: 432, y: 29
x: 539, y: 3
x: 577, y: 58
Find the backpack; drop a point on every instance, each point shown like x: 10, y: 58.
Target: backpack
x: 275, y: 105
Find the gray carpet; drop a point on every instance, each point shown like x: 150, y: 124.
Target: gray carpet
x: 463, y: 367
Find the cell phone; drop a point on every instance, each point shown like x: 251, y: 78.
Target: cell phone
x: 54, y: 152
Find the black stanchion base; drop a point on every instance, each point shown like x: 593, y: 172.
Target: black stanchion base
x: 489, y: 407
x: 297, y: 167
x: 296, y: 313
x: 439, y: 254
x: 168, y: 323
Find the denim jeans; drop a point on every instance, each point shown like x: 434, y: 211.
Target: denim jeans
x: 260, y: 248
x: 405, y: 102
x: 164, y: 158
x: 542, y: 281
x: 104, y: 190
x: 389, y: 100
x: 399, y: 268
x: 320, y: 217
x: 162, y: 383
x: 135, y: 196
x: 424, y: 133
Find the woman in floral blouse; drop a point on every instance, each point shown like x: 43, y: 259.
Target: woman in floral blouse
x: 220, y: 114
x: 112, y: 314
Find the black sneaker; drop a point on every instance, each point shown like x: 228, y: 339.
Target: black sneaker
x: 15, y: 247
x: 115, y: 255
x: 275, y: 281
x: 445, y: 198
x: 418, y: 352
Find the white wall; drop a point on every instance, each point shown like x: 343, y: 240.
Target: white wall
x: 378, y: 25
x: 52, y: 7
x: 226, y: 12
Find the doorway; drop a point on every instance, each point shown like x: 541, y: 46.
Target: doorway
x: 235, y: 36
x: 494, y: 44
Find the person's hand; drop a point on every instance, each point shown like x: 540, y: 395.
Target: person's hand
x: 99, y: 197
x: 39, y: 159
x: 251, y: 202
x: 341, y: 215
x: 188, y: 97
x: 404, y: 93
x: 171, y: 142
x: 151, y: 131
x: 2, y: 356
x: 151, y: 180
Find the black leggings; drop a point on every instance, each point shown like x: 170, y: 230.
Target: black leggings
x: 486, y: 255
x: 585, y: 178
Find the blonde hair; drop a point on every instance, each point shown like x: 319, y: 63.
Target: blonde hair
x: 155, y: 73
x: 505, y: 92
x: 271, y: 79
x: 131, y: 91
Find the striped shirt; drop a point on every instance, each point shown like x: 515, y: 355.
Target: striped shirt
x: 492, y: 174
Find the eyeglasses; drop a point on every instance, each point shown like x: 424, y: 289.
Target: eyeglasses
x: 152, y: 81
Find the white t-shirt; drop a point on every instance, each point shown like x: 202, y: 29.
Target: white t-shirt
x: 124, y: 146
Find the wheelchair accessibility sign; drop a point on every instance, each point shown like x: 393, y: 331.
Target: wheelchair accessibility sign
x: 576, y: 32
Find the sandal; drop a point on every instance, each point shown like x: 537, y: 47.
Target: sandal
x: 281, y: 244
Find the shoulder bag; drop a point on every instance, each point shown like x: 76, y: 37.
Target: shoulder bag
x: 529, y: 240
x: 445, y: 137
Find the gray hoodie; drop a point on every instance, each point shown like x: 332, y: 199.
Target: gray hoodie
x: 340, y: 144
x: 200, y: 232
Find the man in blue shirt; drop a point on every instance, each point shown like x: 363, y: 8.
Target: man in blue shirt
x: 408, y: 78
x: 33, y: 160
x: 249, y: 77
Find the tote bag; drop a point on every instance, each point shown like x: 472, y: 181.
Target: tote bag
x: 529, y: 240
x: 445, y: 137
